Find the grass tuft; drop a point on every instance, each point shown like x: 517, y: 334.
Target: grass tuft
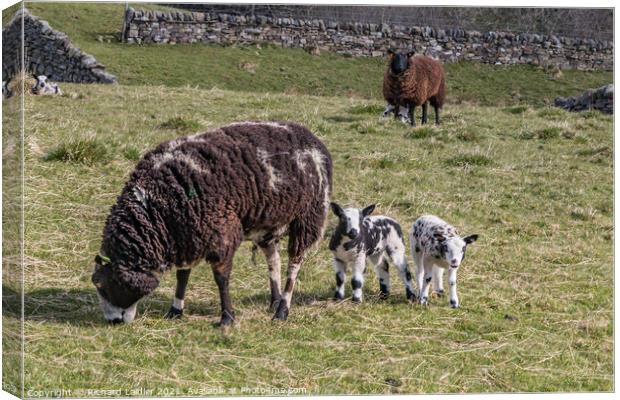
x: 548, y: 133
x: 131, y: 153
x: 85, y: 151
x: 516, y: 109
x: 367, y: 109
x: 421, y: 133
x: 180, y: 124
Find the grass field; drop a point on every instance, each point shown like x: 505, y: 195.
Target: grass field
x: 535, y: 182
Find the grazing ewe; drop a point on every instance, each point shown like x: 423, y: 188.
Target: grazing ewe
x: 436, y: 245
x: 414, y: 81
x: 403, y: 113
x: 43, y: 86
x: 196, y: 198
x: 377, y: 238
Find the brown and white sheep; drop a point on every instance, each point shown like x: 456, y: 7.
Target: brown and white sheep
x: 412, y: 81
x: 196, y: 198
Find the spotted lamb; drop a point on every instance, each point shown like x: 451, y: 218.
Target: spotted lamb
x: 403, y: 112
x: 44, y: 86
x: 359, y: 236
x: 436, y: 245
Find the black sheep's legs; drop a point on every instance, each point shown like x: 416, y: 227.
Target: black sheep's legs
x: 221, y: 272
x: 424, y: 113
x: 412, y: 114
x: 273, y: 263
x: 396, y: 111
x: 436, y: 115
x: 176, y: 310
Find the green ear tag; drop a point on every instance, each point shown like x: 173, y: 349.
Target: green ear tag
x: 104, y: 260
x: 192, y: 193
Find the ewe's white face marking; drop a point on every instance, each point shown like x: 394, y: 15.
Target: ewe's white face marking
x: 455, y: 250
x: 274, y: 178
x: 112, y: 312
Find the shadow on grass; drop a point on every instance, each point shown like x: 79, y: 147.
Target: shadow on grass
x: 80, y: 307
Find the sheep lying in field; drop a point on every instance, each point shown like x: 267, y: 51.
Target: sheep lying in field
x: 359, y: 236
x: 436, y: 245
x: 414, y: 81
x: 37, y: 85
x: 44, y: 86
x: 196, y: 198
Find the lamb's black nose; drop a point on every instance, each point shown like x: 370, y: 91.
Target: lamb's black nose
x: 353, y: 233
x: 115, y: 321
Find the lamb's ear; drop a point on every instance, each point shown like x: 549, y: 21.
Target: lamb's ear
x: 336, y: 209
x: 470, y: 239
x: 368, y: 210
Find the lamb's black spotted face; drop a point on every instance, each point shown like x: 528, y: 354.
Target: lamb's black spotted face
x: 119, y: 290
x: 350, y: 219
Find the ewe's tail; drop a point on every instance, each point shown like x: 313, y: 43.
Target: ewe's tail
x: 438, y: 99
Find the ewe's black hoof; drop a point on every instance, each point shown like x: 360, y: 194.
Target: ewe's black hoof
x: 356, y: 300
x: 454, y: 304
x: 274, y: 305
x: 410, y: 295
x: 439, y: 293
x: 173, y: 313
x: 338, y: 296
x: 384, y: 295
x: 282, y: 313
x: 227, y: 319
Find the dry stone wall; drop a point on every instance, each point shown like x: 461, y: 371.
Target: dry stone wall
x: 365, y: 39
x: 47, y: 52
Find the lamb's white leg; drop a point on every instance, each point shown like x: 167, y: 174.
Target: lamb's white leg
x: 438, y: 280
x: 340, y: 270
x: 382, y: 268
x: 357, y: 280
x: 454, y: 299
x: 400, y: 260
x: 428, y: 275
x: 417, y: 259
x: 419, y: 273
